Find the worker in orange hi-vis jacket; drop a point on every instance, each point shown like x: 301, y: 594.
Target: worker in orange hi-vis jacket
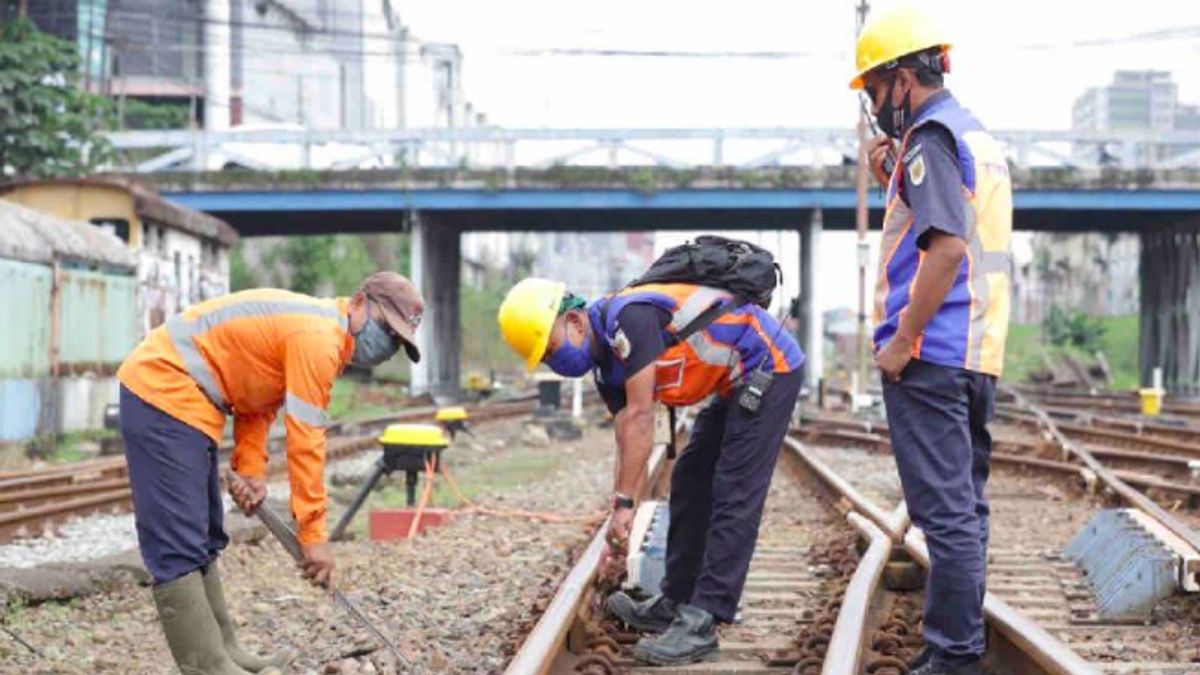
x: 244, y: 355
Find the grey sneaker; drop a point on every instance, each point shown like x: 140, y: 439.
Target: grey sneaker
x: 690, y: 638
x: 648, y: 616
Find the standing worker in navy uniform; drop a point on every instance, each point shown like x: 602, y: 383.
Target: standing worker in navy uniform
x: 941, y: 315
x: 720, y: 481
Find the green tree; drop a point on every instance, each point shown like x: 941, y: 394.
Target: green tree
x: 142, y: 115
x: 241, y: 275
x: 311, y: 261
x: 1072, y: 329
x: 48, y: 125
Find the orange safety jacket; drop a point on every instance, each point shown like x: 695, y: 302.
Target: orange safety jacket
x: 247, y: 354
x: 711, y: 361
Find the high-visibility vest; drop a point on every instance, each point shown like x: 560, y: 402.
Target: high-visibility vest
x: 248, y: 354
x: 970, y: 328
x: 711, y: 361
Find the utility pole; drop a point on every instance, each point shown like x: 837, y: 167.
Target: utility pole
x: 87, y: 62
x: 861, y: 216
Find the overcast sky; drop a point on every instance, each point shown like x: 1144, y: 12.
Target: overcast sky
x: 1016, y: 63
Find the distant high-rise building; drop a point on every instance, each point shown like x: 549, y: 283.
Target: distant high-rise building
x: 1098, y: 273
x: 1136, y: 100
x: 1187, y: 118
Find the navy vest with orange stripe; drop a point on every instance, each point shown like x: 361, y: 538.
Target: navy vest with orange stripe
x: 709, y: 362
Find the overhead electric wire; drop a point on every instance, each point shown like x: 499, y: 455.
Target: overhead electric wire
x: 1158, y: 35
x: 126, y: 16
x: 658, y: 53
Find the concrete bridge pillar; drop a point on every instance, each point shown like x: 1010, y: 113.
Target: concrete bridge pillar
x: 812, y: 327
x: 1170, y: 307
x: 436, y: 265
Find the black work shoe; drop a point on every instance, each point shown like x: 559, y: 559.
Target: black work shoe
x: 648, y: 616
x: 931, y: 668
x: 691, y: 637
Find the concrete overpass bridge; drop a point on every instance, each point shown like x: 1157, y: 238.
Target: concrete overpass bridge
x: 439, y: 184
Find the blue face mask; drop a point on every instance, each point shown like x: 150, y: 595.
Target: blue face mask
x: 569, y: 360
x: 372, y: 343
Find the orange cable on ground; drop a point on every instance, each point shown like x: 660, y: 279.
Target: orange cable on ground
x: 426, y: 494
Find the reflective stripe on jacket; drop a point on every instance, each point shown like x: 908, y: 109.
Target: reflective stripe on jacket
x: 248, y: 354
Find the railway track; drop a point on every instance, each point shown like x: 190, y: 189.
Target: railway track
x: 32, y: 502
x: 812, y: 605
x: 1119, y: 403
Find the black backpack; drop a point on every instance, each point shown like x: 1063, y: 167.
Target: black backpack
x: 748, y: 271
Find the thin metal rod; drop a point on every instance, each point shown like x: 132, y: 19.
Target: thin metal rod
x: 24, y: 644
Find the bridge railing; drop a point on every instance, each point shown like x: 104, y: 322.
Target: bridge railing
x: 502, y: 148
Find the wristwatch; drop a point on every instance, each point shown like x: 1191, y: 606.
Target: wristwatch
x: 621, y: 501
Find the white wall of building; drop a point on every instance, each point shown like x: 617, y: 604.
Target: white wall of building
x: 384, y: 53
x: 176, y: 270
x: 288, y: 76
x: 348, y: 64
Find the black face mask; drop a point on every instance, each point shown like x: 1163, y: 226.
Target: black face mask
x: 893, y: 120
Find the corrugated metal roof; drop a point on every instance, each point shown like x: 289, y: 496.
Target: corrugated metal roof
x: 26, y: 234
x: 149, y: 205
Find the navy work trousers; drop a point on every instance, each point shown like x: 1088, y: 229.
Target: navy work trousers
x: 718, y: 488
x: 176, y: 492
x: 938, y: 418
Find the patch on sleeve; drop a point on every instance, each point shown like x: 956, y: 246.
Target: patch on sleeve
x: 621, y: 345
x: 916, y: 170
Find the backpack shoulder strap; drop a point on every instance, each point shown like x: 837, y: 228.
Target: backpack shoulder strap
x: 714, y: 312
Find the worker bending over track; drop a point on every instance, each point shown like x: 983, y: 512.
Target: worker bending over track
x: 243, y: 355
x: 639, y: 345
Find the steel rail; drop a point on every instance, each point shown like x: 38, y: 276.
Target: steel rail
x: 847, y: 644
x: 1114, y: 482
x: 91, y: 478
x: 1029, y: 640
x: 15, y: 501
x: 845, y: 493
x: 540, y: 648
x: 12, y: 521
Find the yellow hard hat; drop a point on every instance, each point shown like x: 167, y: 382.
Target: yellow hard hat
x: 891, y: 34
x: 527, y: 315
